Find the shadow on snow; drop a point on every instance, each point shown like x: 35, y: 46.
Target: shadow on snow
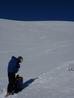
x: 27, y: 83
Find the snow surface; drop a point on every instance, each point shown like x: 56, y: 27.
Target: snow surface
x: 48, y: 51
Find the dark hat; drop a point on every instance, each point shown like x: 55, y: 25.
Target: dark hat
x: 20, y: 58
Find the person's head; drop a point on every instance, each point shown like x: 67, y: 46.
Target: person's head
x: 20, y: 59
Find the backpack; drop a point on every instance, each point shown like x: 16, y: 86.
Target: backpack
x: 18, y: 83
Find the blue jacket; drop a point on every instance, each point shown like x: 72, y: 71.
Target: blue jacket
x: 13, y: 65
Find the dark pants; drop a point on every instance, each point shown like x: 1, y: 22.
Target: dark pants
x: 11, y: 85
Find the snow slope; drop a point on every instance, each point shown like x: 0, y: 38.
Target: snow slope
x: 48, y: 51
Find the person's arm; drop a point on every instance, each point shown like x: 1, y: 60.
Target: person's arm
x: 18, y: 66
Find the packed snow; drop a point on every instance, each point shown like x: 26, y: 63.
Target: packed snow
x: 48, y: 51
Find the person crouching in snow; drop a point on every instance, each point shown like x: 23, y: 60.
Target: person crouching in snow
x: 13, y: 68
